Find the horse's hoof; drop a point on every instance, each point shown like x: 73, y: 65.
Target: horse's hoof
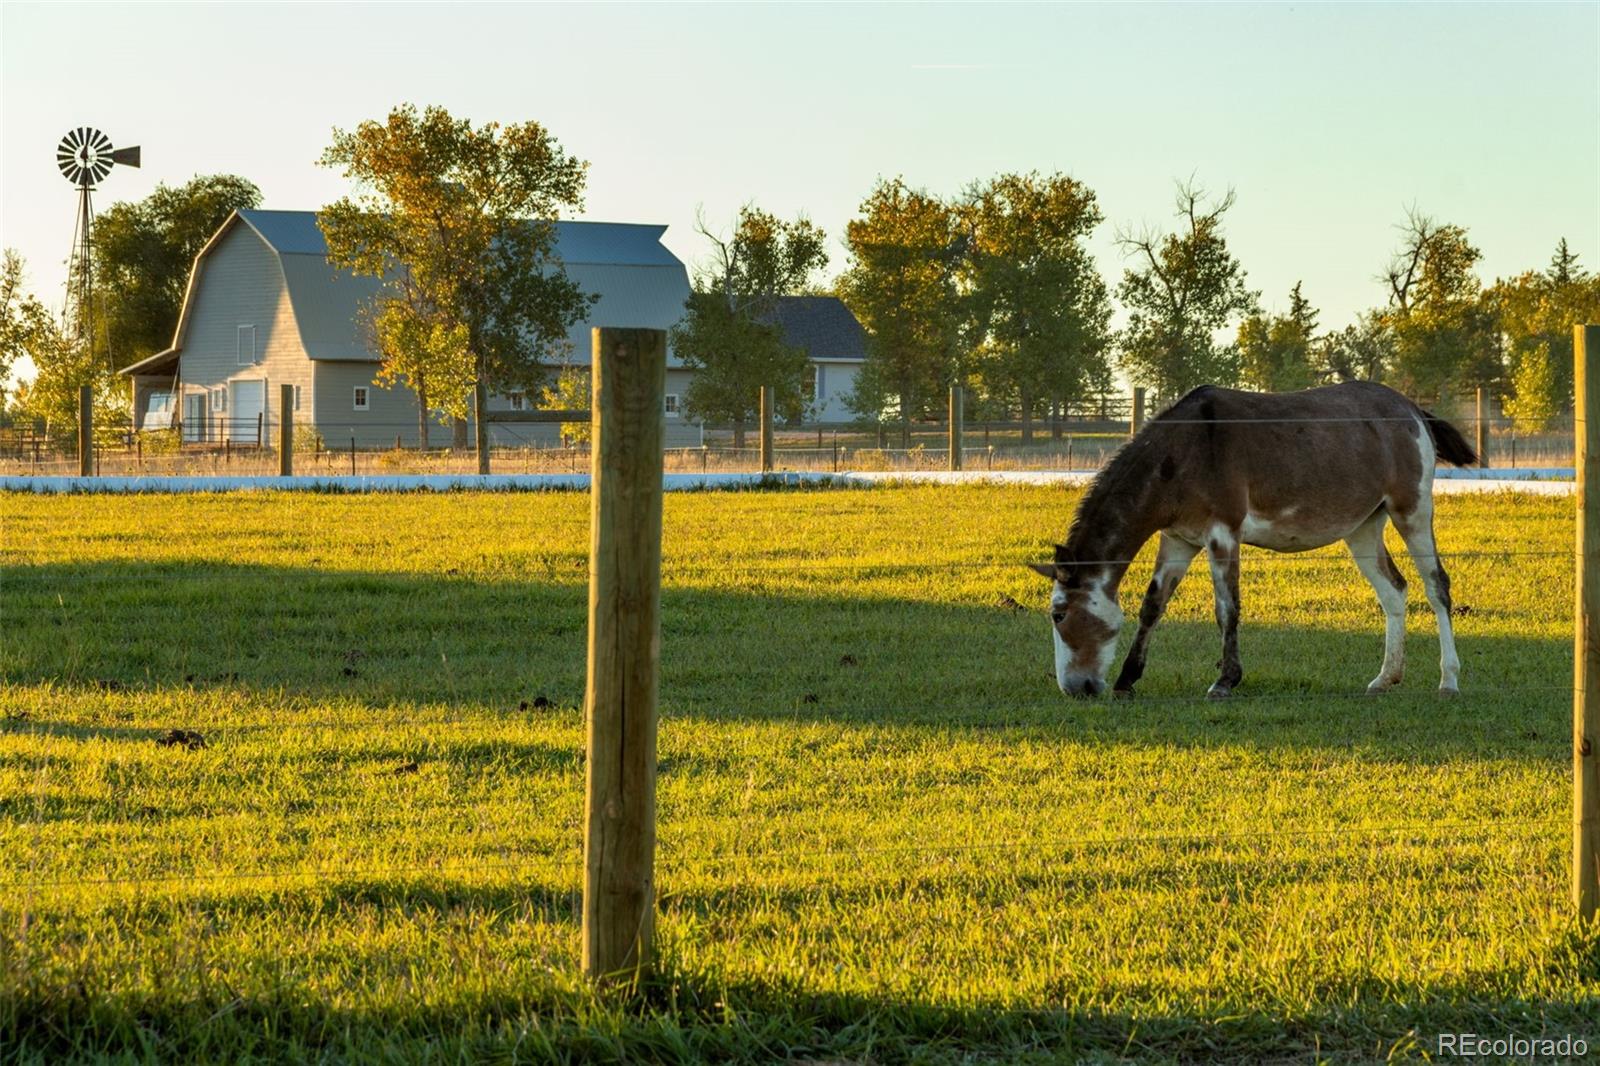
x: 1378, y: 688
x: 1448, y: 693
x: 1122, y: 693
x: 1218, y: 692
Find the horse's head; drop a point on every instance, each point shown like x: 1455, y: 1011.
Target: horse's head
x: 1085, y: 618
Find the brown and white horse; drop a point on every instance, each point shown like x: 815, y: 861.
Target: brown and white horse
x: 1289, y: 472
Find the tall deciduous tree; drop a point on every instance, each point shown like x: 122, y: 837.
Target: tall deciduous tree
x: 1443, y: 335
x: 906, y: 251
x: 1184, y: 288
x: 143, y: 252
x: 729, y: 335
x: 1040, y: 308
x: 1276, y: 351
x: 1362, y: 351
x: 459, y: 220
x: 1534, y: 313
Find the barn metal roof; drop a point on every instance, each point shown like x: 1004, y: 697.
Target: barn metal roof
x: 612, y: 243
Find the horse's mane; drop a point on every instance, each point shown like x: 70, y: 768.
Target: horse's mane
x: 1125, y: 474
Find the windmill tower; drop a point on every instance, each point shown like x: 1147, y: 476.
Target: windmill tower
x: 85, y: 157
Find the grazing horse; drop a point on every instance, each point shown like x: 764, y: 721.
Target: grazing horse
x: 1289, y: 472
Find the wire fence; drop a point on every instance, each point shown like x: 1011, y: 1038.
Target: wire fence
x: 243, y: 447
x: 816, y: 862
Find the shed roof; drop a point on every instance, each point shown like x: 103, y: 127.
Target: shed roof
x: 822, y: 325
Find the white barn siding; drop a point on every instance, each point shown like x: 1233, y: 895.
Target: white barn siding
x: 837, y: 382
x: 240, y: 284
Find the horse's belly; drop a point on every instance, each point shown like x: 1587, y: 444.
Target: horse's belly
x: 1283, y: 534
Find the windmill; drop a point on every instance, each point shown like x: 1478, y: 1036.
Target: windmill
x: 85, y: 157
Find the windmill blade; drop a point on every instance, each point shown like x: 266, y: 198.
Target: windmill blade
x: 126, y: 157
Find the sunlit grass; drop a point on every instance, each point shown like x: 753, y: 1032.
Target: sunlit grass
x: 884, y: 834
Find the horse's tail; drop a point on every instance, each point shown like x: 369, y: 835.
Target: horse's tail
x: 1448, y: 443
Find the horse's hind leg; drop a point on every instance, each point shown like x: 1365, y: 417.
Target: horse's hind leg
x: 1417, y: 529
x: 1372, y: 557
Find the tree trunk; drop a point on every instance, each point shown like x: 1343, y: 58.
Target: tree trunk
x: 458, y: 435
x: 738, y: 433
x: 905, y: 417
x: 480, y: 407
x: 1055, y: 419
x: 1027, y: 417
x: 422, y: 417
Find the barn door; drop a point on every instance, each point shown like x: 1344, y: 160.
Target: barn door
x: 247, y: 401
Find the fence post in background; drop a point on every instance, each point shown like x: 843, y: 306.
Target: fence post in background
x: 285, y: 430
x: 957, y: 420
x: 624, y: 651
x: 1136, y: 423
x: 1483, y: 427
x: 1586, y: 650
x: 261, y: 439
x: 85, y: 431
x: 766, y: 429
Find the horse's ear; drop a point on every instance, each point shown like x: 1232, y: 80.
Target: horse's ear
x: 1044, y: 569
x: 1063, y: 556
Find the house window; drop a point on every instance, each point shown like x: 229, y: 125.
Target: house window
x: 247, y: 345
x: 519, y: 402
x: 297, y: 397
x: 361, y: 398
x: 219, y: 399
x: 672, y: 405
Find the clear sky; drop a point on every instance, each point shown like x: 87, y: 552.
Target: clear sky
x: 1327, y: 120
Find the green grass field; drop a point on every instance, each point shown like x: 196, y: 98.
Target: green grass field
x: 884, y: 835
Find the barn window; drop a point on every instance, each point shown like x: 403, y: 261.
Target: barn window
x: 247, y: 345
x: 672, y: 405
x: 519, y: 402
x: 219, y: 399
x: 361, y: 398
x: 297, y: 397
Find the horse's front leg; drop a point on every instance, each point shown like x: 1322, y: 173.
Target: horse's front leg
x: 1172, y: 562
x: 1222, y: 550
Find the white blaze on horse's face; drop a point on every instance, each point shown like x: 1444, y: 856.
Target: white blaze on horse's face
x: 1085, y: 620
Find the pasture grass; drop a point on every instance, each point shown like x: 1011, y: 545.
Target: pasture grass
x: 884, y: 835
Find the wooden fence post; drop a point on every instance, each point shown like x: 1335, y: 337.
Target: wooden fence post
x: 1586, y: 651
x: 85, y: 431
x: 766, y: 429
x: 1136, y: 423
x: 1483, y: 427
x: 624, y: 650
x: 957, y: 424
x: 286, y: 430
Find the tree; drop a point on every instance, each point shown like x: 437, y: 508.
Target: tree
x: 459, y: 222
x: 1186, y: 287
x: 1039, y: 307
x: 143, y: 252
x: 1443, y: 336
x: 1276, y: 351
x: 1534, y: 314
x: 63, y: 363
x: 729, y: 334
x: 1363, y: 351
x: 905, y: 255
x: 572, y: 391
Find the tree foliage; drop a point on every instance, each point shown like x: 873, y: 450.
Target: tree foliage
x: 1361, y: 351
x: 1277, y: 352
x: 1443, y: 334
x: 143, y: 252
x: 63, y: 363
x: 459, y: 221
x: 1038, y: 309
x: 906, y: 253
x: 1184, y: 288
x: 729, y: 335
x: 1535, y: 312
